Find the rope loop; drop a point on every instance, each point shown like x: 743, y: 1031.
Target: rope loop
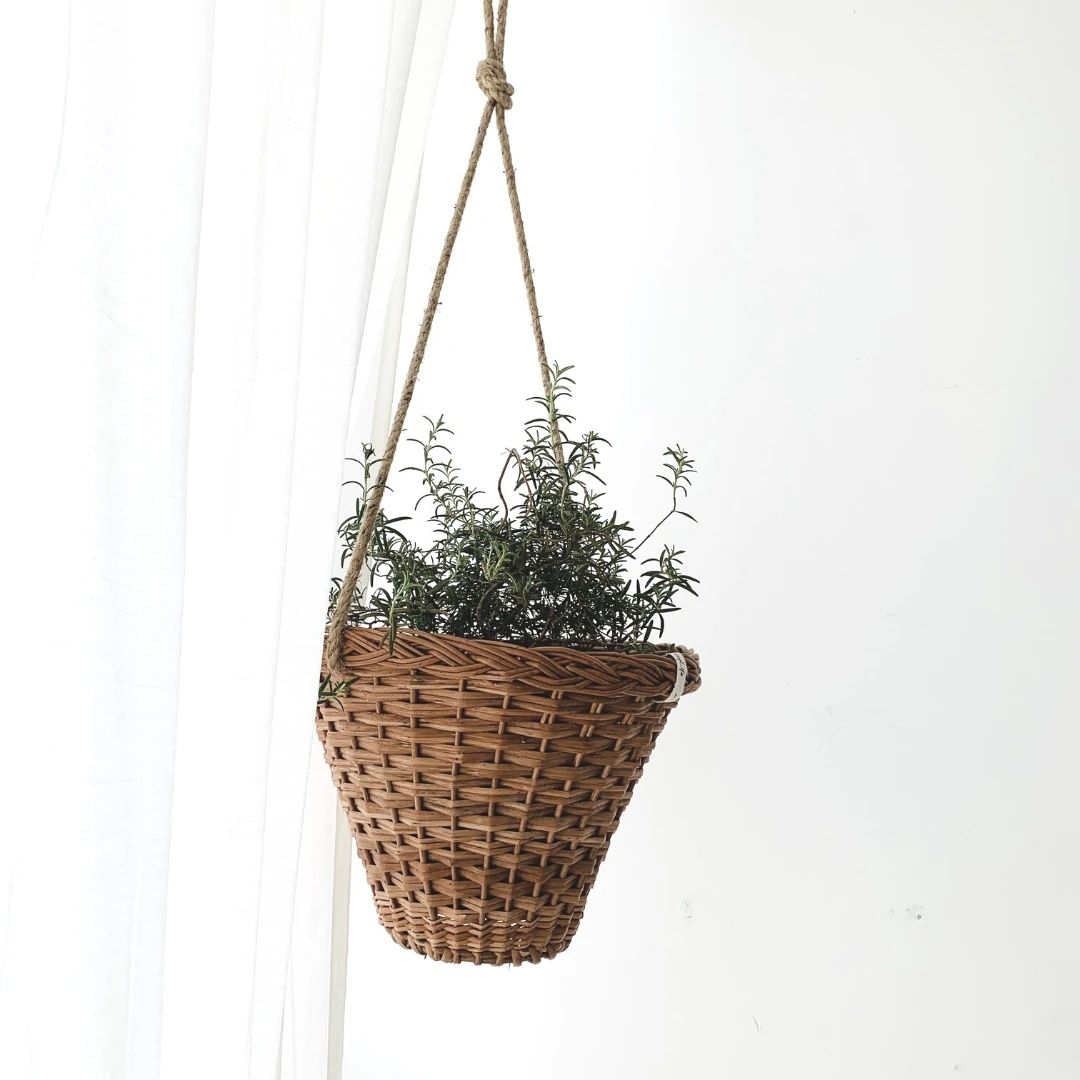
x: 491, y: 78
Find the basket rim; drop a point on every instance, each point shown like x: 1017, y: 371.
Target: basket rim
x: 650, y: 672
x: 646, y: 648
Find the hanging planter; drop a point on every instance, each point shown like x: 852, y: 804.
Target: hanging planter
x: 487, y: 713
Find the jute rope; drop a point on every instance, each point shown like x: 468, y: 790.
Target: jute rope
x: 491, y: 78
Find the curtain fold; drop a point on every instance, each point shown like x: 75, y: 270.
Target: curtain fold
x: 218, y: 181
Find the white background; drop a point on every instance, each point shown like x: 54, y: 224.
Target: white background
x: 833, y: 249
x: 190, y: 213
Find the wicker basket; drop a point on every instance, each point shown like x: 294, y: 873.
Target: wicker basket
x: 483, y: 782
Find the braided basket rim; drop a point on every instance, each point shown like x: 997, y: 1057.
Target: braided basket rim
x: 648, y: 674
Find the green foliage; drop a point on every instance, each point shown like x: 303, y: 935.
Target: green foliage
x: 331, y: 692
x: 546, y: 565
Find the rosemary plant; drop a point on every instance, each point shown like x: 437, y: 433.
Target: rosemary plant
x: 545, y: 564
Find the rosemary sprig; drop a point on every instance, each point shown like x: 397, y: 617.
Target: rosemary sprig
x: 545, y: 564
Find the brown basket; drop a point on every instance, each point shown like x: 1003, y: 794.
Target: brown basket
x: 483, y: 782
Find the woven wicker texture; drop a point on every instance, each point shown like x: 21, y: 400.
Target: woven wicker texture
x: 483, y: 782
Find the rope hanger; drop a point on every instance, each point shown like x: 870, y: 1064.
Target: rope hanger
x: 491, y: 78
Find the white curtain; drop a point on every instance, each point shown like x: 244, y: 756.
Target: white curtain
x: 212, y: 210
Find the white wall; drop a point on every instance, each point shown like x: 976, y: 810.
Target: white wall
x: 833, y: 248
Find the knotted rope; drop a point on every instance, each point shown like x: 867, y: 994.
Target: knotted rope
x: 491, y: 78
